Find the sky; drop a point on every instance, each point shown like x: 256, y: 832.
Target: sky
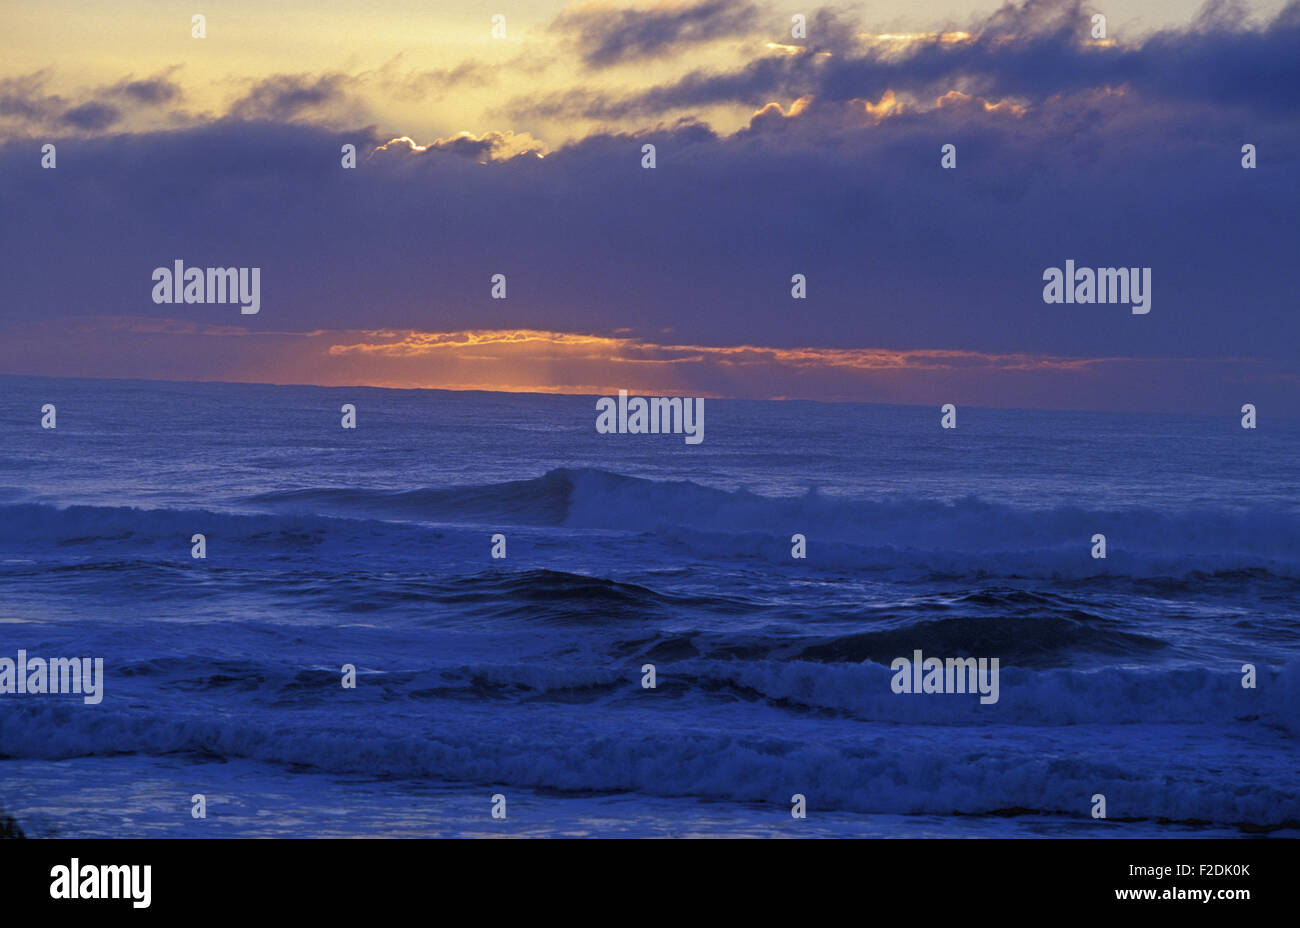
x: 775, y: 155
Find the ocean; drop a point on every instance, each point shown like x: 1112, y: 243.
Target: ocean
x: 521, y: 677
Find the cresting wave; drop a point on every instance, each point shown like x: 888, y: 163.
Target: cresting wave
x: 958, y: 537
x: 1055, y: 697
x: 942, y: 766
x: 899, y: 528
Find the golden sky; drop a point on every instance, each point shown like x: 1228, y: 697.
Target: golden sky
x: 397, y: 55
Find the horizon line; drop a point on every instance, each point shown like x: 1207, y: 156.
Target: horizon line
x: 597, y: 394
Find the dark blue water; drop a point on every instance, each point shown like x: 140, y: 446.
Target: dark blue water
x: 522, y: 676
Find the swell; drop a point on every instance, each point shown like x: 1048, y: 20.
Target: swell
x: 939, y: 538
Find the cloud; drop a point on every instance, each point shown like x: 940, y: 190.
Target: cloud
x: 287, y: 97
x: 545, y: 345
x: 156, y: 91
x: 607, y: 36
x: 26, y: 106
x: 92, y: 116
x: 22, y: 99
x: 1029, y: 51
x: 432, y: 83
x: 543, y: 361
x: 481, y: 148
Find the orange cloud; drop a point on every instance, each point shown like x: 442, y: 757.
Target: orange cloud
x: 538, y: 344
x: 544, y: 361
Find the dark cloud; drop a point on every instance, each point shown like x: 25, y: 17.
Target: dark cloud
x: 606, y: 36
x: 286, y: 97
x: 1031, y: 51
x: 25, y: 105
x: 156, y: 91
x: 92, y: 116
x: 897, y: 251
x: 23, y: 99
